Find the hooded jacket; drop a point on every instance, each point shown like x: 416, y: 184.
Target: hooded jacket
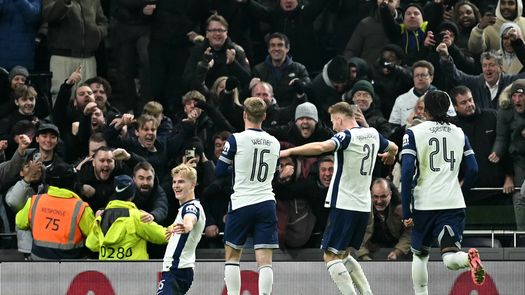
x: 489, y: 38
x: 118, y: 234
x: 511, y: 62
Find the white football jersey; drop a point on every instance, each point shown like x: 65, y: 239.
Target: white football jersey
x: 180, y: 252
x: 253, y: 154
x: 439, y: 150
x: 354, y: 159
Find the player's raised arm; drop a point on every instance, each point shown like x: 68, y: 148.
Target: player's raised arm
x: 310, y: 149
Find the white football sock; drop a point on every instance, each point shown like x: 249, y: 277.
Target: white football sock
x: 420, y: 274
x: 455, y: 261
x: 358, y: 275
x: 232, y: 277
x: 341, y: 277
x: 265, y: 279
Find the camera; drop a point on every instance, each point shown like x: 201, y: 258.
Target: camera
x: 189, y: 154
x: 37, y: 157
x: 491, y: 10
x: 439, y: 38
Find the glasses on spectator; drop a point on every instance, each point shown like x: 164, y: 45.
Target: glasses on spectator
x: 216, y: 30
x: 421, y: 76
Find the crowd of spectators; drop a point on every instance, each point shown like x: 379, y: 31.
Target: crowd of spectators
x: 137, y: 87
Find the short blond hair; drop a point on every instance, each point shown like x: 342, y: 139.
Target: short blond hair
x: 255, y: 109
x: 145, y: 118
x: 153, y: 108
x: 193, y: 95
x: 342, y: 108
x: 185, y: 171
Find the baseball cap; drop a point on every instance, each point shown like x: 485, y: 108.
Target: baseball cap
x: 45, y: 127
x: 124, y: 188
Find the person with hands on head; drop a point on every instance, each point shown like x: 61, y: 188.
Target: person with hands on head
x: 355, y: 151
x: 183, y: 235
x: 433, y: 152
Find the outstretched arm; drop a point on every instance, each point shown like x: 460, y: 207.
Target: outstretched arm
x: 310, y: 149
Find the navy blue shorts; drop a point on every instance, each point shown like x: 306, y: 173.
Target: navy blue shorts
x: 429, y: 223
x: 258, y: 220
x: 175, y: 281
x: 344, y: 229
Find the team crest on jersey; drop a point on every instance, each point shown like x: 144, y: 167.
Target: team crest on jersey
x: 405, y: 140
x: 226, y: 148
x: 340, y: 136
x: 191, y: 209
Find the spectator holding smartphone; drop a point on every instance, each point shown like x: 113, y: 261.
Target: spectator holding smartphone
x: 486, y: 35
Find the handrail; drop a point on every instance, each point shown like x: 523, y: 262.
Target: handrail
x: 493, y: 232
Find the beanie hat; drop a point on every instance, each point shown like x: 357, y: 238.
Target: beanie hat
x: 337, y: 69
x: 450, y: 26
x: 308, y: 110
x: 48, y: 128
x: 124, y: 188
x: 518, y: 86
x: 363, y: 85
x: 18, y: 71
x: 61, y: 175
x: 416, y: 5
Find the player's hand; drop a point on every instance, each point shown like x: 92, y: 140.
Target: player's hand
x: 146, y: 217
x: 211, y: 231
x: 169, y: 232
x: 99, y: 212
x: 180, y: 228
x: 408, y: 222
x: 392, y: 256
